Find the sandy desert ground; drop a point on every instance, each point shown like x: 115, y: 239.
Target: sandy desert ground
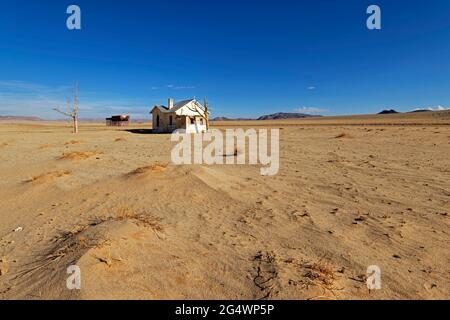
x: 350, y: 193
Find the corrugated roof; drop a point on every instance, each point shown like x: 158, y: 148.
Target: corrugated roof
x: 177, y: 106
x: 121, y: 117
x: 180, y: 105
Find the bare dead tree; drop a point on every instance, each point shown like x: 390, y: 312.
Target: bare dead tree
x: 73, y: 114
x: 205, y: 104
x: 204, y: 113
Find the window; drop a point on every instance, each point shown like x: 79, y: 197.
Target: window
x: 170, y: 120
x: 201, y: 121
x: 192, y: 120
x: 157, y: 120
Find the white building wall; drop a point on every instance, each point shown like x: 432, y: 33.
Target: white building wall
x: 187, y: 111
x: 195, y: 128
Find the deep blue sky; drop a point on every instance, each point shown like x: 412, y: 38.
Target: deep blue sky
x: 248, y: 57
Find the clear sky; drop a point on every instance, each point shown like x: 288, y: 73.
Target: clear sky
x: 248, y: 57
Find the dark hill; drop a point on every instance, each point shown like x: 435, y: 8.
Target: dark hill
x: 284, y: 115
x: 392, y: 111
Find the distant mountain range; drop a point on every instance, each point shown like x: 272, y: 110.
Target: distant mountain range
x: 274, y: 116
x: 19, y: 118
x: 392, y: 111
x: 421, y: 110
x: 284, y: 115
x: 229, y: 119
x: 31, y: 118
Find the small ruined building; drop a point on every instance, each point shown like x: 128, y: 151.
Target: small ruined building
x: 187, y: 114
x: 118, y: 121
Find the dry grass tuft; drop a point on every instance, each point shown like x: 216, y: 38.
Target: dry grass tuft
x: 72, y: 142
x: 79, y: 155
x: 321, y: 274
x: 46, y: 146
x: 121, y: 139
x: 128, y: 213
x: 66, y: 248
x: 50, y: 176
x: 343, y: 135
x: 69, y: 246
x: 106, y: 257
x: 7, y: 143
x: 157, y: 167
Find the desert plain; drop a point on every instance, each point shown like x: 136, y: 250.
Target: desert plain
x: 351, y: 192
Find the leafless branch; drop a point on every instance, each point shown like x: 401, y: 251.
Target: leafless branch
x: 74, y: 113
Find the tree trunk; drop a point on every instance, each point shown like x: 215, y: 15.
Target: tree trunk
x: 206, y: 116
x: 75, y: 125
